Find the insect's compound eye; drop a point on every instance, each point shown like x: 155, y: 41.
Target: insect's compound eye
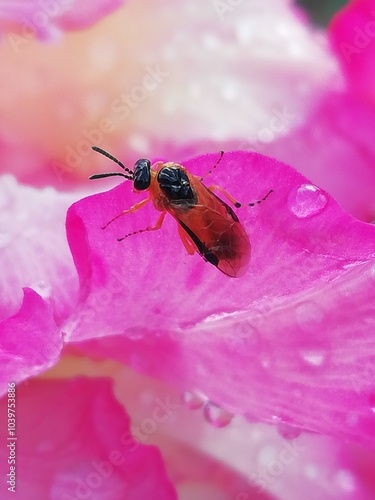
x: 175, y: 183
x: 142, y: 174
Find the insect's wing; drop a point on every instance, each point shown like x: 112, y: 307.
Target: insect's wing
x: 234, y: 251
x: 216, y: 232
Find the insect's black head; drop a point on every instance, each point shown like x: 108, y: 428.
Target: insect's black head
x: 175, y: 184
x: 142, y: 174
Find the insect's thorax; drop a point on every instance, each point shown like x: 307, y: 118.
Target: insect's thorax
x: 171, y: 188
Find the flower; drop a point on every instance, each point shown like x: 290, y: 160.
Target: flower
x: 283, y: 326
x: 62, y: 425
x: 48, y: 19
x: 352, y: 32
x: 289, y: 344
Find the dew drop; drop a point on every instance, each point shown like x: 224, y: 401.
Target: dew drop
x: 136, y: 333
x: 193, y: 400
x: 306, y: 201
x: 265, y: 360
x: 287, y: 430
x: 308, y: 315
x: 286, y: 427
x: 243, y: 335
x: 313, y: 357
x: 216, y: 416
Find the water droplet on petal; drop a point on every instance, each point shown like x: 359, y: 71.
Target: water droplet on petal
x: 243, y: 335
x: 286, y: 427
x: 136, y: 332
x: 287, y: 430
x: 193, y: 399
x: 308, y: 315
x: 216, y: 416
x: 313, y: 357
x: 264, y: 360
x: 306, y: 201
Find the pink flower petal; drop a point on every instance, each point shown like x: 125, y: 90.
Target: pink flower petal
x: 294, y: 328
x: 84, y: 13
x: 352, y: 33
x: 279, y: 460
x: 33, y: 248
x: 334, y: 148
x: 46, y: 20
x: 30, y: 341
x: 73, y: 441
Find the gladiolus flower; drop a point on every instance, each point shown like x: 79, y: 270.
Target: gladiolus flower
x: 278, y: 364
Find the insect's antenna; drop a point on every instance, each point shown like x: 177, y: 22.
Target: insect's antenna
x: 110, y: 174
x: 216, y: 164
x: 253, y: 203
x: 104, y: 153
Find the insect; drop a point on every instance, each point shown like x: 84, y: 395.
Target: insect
x: 206, y: 224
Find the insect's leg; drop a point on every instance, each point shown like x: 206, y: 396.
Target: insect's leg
x: 253, y: 203
x: 236, y: 203
x: 157, y: 226
x: 213, y: 168
x: 134, y: 208
x: 188, y: 244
